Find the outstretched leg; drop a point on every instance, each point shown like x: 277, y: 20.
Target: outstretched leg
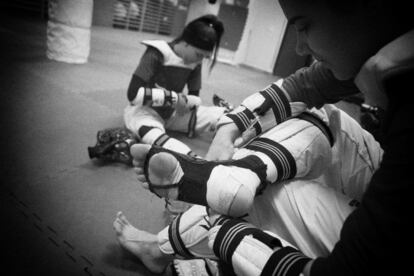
x: 142, y: 244
x: 296, y: 148
x: 176, y: 176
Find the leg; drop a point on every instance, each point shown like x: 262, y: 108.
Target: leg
x: 299, y: 149
x: 308, y: 214
x: 207, y: 118
x: 149, y: 127
x: 142, y: 244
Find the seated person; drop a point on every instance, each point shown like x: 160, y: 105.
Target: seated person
x: 156, y: 98
x: 369, y: 238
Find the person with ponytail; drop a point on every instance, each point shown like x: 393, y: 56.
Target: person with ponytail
x: 157, y: 100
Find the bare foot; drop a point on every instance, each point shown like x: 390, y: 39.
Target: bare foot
x: 142, y: 244
x: 163, y: 168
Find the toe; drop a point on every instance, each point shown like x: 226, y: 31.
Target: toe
x: 117, y: 226
x: 122, y: 218
x: 139, y: 152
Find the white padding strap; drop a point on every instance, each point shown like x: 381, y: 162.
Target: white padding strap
x: 228, y: 186
x: 187, y: 234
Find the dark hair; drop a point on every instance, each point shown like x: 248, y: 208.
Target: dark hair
x: 205, y: 33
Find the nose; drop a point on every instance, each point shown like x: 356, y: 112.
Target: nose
x: 302, y: 47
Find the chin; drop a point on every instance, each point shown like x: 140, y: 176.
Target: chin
x: 342, y: 75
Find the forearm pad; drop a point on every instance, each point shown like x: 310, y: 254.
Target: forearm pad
x: 187, y: 235
x: 251, y: 251
x: 155, y: 97
x: 263, y: 110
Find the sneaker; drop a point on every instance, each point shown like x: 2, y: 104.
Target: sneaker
x: 219, y: 101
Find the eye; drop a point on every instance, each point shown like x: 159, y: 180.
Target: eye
x: 300, y: 27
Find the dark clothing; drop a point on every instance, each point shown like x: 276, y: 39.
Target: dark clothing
x: 316, y: 86
x: 152, y: 72
x: 376, y: 239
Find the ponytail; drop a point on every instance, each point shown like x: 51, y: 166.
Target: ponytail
x: 205, y: 33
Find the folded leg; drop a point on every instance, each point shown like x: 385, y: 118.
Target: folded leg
x: 296, y: 148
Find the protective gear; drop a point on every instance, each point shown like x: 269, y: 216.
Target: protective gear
x: 199, y: 181
x: 113, y: 144
x: 155, y: 97
x: 186, y: 235
x: 219, y: 101
x: 196, y: 267
x: 252, y: 251
x: 263, y: 110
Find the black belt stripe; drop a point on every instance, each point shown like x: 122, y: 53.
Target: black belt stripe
x: 175, y: 238
x: 316, y: 121
x: 280, y: 156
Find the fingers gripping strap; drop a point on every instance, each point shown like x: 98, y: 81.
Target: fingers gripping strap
x: 244, y: 120
x: 175, y: 239
x: 281, y: 157
x: 285, y: 261
x: 275, y: 99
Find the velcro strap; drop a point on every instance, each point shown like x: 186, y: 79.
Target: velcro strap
x: 280, y: 156
x: 175, y: 239
x: 244, y: 120
x: 254, y: 163
x: 275, y: 99
x: 232, y: 232
x: 161, y: 140
x: 147, y: 95
x: 229, y: 237
x: 286, y: 261
x: 168, y: 97
x: 192, y: 122
x: 316, y: 121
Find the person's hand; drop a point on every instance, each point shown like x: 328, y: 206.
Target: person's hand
x: 185, y: 103
x: 181, y: 106
x: 222, y: 146
x: 245, y: 137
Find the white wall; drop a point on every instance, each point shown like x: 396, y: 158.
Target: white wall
x: 198, y: 8
x: 262, y: 36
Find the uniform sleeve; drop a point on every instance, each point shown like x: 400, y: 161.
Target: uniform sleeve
x: 149, y: 64
x: 194, y: 81
x: 146, y: 69
x: 316, y: 86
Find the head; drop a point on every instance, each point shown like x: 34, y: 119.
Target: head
x: 344, y: 34
x: 201, y: 39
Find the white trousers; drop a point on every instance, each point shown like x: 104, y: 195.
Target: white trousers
x: 308, y: 212
x: 137, y: 116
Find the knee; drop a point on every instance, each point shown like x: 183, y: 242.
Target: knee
x: 241, y: 203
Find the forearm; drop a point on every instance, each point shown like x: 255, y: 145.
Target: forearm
x: 251, y: 251
x: 263, y: 110
x: 135, y: 83
x: 316, y: 86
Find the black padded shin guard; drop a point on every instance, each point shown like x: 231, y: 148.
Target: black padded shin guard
x: 192, y: 187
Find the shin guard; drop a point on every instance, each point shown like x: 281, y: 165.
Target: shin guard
x: 250, y: 251
x: 186, y: 235
x: 199, y: 175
